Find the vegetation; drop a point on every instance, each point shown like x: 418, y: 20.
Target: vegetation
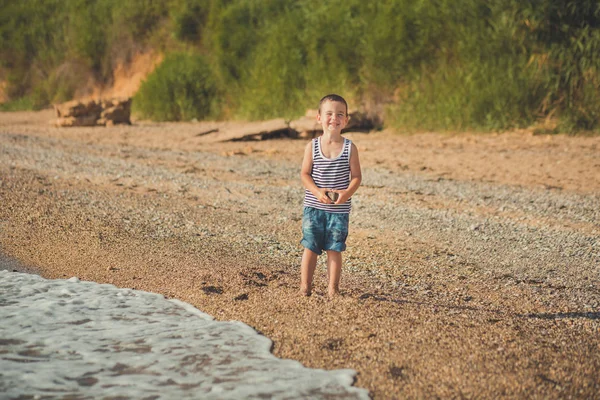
x: 431, y: 64
x: 181, y: 88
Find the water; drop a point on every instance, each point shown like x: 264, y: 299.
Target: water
x: 75, y: 339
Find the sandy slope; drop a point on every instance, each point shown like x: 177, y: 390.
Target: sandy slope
x: 472, y: 268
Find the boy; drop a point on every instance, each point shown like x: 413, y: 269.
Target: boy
x: 330, y: 174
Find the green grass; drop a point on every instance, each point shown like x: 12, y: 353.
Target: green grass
x: 20, y: 104
x: 436, y: 64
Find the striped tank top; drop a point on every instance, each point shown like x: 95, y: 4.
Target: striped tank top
x: 331, y: 173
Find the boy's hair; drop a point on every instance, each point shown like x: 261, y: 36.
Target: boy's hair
x: 333, y: 97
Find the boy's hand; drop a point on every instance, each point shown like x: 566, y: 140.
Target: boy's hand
x: 343, y: 196
x: 322, y: 196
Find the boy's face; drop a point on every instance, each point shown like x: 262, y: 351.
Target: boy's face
x: 333, y: 116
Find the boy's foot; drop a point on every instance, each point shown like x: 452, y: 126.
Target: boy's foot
x: 333, y: 294
x: 305, y: 291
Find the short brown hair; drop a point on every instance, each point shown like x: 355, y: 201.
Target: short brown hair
x: 333, y: 97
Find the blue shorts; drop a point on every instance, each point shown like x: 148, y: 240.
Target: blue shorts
x: 323, y: 230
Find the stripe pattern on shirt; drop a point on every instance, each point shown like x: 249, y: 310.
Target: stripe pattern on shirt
x: 330, y: 173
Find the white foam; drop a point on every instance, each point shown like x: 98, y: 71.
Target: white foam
x: 69, y: 338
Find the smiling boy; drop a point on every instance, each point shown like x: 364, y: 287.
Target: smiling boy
x: 330, y: 175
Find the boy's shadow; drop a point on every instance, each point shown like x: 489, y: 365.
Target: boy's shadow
x: 546, y: 316
x: 566, y: 315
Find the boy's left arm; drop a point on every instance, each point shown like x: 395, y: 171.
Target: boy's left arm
x: 355, y: 177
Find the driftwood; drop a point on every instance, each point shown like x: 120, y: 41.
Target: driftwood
x: 118, y: 111
x: 247, y: 131
x: 303, y: 127
x: 93, y: 112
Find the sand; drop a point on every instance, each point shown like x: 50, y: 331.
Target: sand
x: 472, y: 265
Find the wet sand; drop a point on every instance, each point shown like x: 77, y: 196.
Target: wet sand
x: 11, y: 264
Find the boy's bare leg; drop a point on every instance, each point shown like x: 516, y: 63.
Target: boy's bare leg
x: 307, y: 270
x: 334, y: 272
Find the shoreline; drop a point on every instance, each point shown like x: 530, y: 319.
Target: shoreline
x: 13, y: 265
x: 58, y: 343
x: 471, y: 267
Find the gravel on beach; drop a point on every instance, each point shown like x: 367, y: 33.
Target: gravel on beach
x: 473, y: 261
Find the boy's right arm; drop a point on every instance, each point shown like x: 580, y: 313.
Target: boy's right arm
x: 307, y: 180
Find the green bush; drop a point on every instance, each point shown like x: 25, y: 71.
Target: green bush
x: 31, y: 42
x: 181, y: 88
x: 479, y: 78
x: 86, y: 32
x: 273, y: 81
x: 189, y: 18
x: 437, y: 64
x: 283, y: 57
x: 564, y: 40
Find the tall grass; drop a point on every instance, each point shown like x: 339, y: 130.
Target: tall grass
x: 41, y: 38
x: 564, y: 41
x: 480, y: 77
x: 434, y: 64
x: 29, y: 43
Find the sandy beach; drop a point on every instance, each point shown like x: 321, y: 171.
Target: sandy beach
x: 473, y: 262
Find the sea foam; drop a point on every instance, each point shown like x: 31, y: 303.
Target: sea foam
x: 75, y: 339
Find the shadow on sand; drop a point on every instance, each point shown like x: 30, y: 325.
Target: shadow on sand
x: 544, y: 316
x: 567, y: 315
